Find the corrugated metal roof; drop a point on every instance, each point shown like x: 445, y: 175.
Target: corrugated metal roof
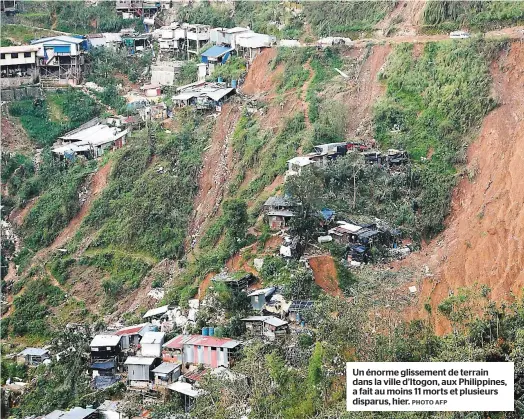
x: 273, y: 321
x: 217, y: 51
x: 78, y: 413
x: 279, y: 201
x: 131, y: 330
x: 166, y: 368
x: 139, y: 360
x: 105, y: 340
x: 19, y: 48
x: 33, y: 352
x: 156, y: 311
x: 263, y: 291
x: 152, y: 337
x: 180, y: 340
x: 63, y: 38
x: 184, y: 388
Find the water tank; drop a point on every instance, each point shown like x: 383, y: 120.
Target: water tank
x: 211, y: 331
x: 219, y: 80
x: 205, y: 331
x: 234, y: 84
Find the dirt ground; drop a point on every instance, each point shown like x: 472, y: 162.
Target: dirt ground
x: 14, y: 138
x: 484, y: 239
x: 405, y: 18
x: 216, y: 169
x: 325, y: 274
x: 96, y: 185
x: 363, y: 89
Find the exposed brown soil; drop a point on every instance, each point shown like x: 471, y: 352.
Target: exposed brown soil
x: 97, y: 184
x: 363, y: 89
x: 216, y: 169
x: 484, y: 239
x: 325, y: 274
x: 260, y: 78
x: 404, y: 19
x: 14, y: 138
x: 18, y: 215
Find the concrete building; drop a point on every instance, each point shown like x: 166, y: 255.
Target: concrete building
x: 18, y: 65
x: 61, y: 59
x: 269, y: 327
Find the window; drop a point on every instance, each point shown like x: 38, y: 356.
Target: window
x: 108, y: 348
x: 14, y: 55
x: 2, y: 56
x: 27, y: 55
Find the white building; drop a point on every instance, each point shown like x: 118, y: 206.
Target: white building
x: 151, y: 344
x: 18, y: 65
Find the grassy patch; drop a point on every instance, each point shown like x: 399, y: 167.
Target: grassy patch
x: 58, y: 113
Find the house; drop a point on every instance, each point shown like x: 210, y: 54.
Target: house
x: 297, y: 307
x: 237, y: 280
x: 60, y: 59
x: 90, y: 140
x: 345, y: 233
x: 252, y: 44
x: 268, y: 326
x: 152, y: 89
x: 131, y: 335
x: 197, y: 349
x: 156, y: 313
x: 140, y: 370
x: 166, y: 373
x: 188, y: 393
x: 296, y: 164
x: 151, y: 344
x: 203, y: 95
x: 291, y: 248
x: 216, y: 55
x: 165, y: 73
x: 227, y: 36
x: 106, y: 353
x: 260, y: 297
x: 33, y: 356
x: 136, y: 43
x: 106, y: 40
x: 9, y: 6
x: 196, y: 36
x: 111, y: 409
x: 279, y: 210
x: 130, y: 9
x: 74, y: 413
x: 18, y: 65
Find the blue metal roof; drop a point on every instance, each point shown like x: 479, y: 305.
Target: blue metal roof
x: 216, y: 51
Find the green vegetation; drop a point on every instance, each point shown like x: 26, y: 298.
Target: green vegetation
x: 146, y: 207
x: 479, y: 15
x: 106, y: 64
x: 431, y: 103
x: 233, y: 69
x: 45, y: 120
x: 78, y: 17
x: 345, y: 18
x: 55, y: 208
x: 123, y: 268
x: 17, y: 34
x: 295, y: 73
x: 32, y: 307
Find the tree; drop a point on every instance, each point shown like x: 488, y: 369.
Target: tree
x: 305, y: 190
x: 235, y: 212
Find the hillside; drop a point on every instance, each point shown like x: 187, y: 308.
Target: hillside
x: 176, y: 214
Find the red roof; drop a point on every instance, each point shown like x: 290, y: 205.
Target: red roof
x: 130, y: 330
x: 180, y: 340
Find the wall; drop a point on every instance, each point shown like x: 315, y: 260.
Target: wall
x: 9, y: 60
x: 9, y: 93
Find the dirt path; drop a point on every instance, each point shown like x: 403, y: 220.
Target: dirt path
x: 484, y: 239
x: 215, y: 173
x: 96, y: 185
